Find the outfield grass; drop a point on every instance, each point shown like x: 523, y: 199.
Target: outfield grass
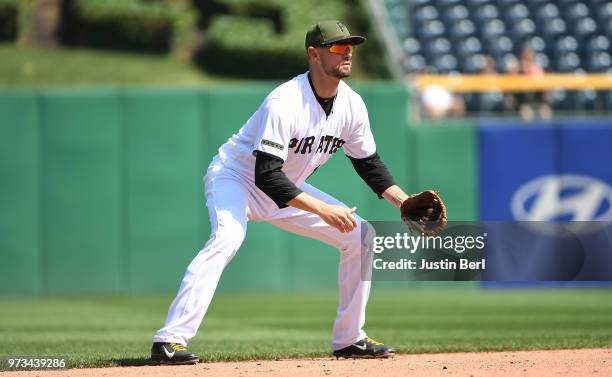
x: 118, y: 331
x: 33, y: 66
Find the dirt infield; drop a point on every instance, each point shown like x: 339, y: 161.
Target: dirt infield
x: 586, y: 362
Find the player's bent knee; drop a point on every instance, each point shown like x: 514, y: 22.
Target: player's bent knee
x: 227, y: 239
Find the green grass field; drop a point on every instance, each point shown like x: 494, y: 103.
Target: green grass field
x: 118, y: 331
x: 34, y: 67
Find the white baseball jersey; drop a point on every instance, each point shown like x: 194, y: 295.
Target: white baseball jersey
x: 291, y: 124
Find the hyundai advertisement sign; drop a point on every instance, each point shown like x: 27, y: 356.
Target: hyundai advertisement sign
x: 553, y: 173
x: 562, y: 197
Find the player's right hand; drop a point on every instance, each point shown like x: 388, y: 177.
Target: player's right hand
x: 339, y: 217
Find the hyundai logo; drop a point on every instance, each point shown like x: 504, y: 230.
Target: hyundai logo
x: 564, y: 197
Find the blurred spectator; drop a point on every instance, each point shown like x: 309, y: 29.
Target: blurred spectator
x: 439, y: 102
x: 493, y: 99
x: 511, y: 98
x: 489, y: 66
x: 532, y: 104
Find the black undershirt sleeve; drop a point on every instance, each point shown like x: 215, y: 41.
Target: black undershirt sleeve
x: 374, y: 172
x: 270, y: 179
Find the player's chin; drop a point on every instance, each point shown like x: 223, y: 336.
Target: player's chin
x: 343, y: 71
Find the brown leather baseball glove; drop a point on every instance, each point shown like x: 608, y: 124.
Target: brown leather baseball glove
x: 424, y: 213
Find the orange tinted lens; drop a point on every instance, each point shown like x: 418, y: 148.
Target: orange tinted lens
x: 341, y: 49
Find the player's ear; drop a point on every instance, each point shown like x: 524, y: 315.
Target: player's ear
x: 313, y: 54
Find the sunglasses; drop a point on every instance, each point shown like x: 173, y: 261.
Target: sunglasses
x: 340, y: 49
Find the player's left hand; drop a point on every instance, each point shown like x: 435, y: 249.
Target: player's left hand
x: 339, y: 217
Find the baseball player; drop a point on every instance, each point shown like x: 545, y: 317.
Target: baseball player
x: 260, y: 174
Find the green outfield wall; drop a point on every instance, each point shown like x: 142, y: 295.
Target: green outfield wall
x: 101, y: 189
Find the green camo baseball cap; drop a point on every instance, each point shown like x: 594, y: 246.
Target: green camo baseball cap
x: 328, y: 32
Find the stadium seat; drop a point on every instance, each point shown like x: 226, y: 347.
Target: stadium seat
x: 462, y: 29
x: 543, y: 61
x: 493, y: 28
x: 492, y: 101
x: 597, y: 43
x: 469, y: 46
x: 473, y: 63
x: 500, y: 46
x: 426, y: 14
x: 599, y: 62
x: 584, y: 99
x: 414, y: 63
x: 553, y: 28
x: 576, y: 12
x: 534, y: 5
x: 437, y: 47
x: 486, y: 12
x: 564, y: 45
x: 516, y: 13
x: 446, y: 63
x: 433, y: 29
x: 536, y: 43
x: 561, y: 100
x: 584, y: 28
x: 455, y: 14
x: 547, y: 12
x: 412, y: 46
x: 523, y: 29
x: 568, y: 62
x: 604, y: 13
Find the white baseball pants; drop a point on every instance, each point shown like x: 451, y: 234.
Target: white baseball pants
x: 232, y: 200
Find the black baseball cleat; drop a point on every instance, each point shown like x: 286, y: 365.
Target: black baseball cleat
x: 366, y: 348
x: 172, y: 354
